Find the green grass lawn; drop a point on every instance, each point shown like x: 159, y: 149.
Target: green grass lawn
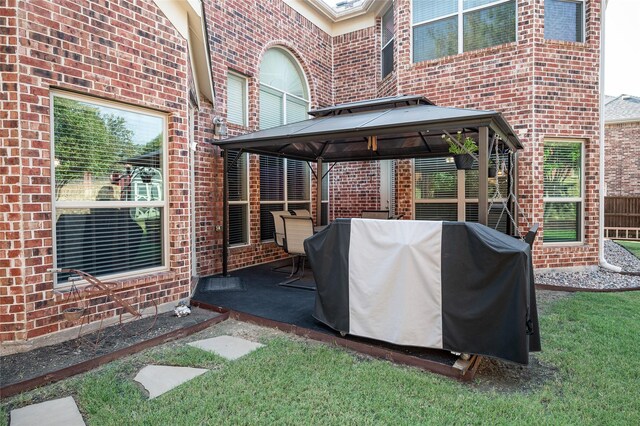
x: 632, y: 246
x: 590, y: 341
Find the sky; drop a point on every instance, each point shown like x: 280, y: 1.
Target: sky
x: 622, y: 48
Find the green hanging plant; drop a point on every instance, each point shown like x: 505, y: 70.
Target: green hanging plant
x: 468, y: 143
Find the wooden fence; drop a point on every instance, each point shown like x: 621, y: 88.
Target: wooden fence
x: 622, y: 218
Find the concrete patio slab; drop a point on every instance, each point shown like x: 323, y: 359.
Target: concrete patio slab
x: 158, y: 379
x: 62, y: 412
x: 228, y: 347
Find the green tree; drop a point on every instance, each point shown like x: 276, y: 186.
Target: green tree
x: 87, y: 141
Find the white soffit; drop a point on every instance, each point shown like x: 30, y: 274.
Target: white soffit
x: 335, y: 22
x: 186, y: 16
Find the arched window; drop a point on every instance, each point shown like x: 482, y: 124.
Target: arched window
x: 284, y: 98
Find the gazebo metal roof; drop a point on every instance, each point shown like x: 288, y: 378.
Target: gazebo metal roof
x: 405, y: 127
x: 377, y: 129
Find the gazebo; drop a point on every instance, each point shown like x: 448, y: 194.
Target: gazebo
x: 400, y: 127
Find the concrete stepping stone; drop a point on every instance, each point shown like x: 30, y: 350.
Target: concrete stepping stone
x: 158, y: 379
x: 228, y: 347
x: 57, y: 412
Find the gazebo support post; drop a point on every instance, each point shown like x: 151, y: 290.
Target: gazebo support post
x: 319, y: 192
x: 483, y: 175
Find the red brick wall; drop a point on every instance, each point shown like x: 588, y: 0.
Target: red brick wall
x: 622, y: 159
x: 124, y: 51
x: 567, y: 105
x: 240, y: 32
x: 12, y: 300
x: 544, y: 89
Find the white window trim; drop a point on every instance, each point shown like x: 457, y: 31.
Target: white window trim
x: 245, y: 202
x: 581, y: 241
x: 460, y: 14
x: 245, y: 100
x: 584, y: 24
x: 164, y: 204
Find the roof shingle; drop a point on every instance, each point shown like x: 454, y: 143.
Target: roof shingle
x: 624, y: 107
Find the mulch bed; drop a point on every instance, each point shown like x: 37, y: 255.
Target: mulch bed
x: 22, y: 367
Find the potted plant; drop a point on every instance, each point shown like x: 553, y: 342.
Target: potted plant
x: 462, y: 154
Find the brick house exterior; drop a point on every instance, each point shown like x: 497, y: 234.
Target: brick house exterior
x: 129, y: 51
x: 622, y: 133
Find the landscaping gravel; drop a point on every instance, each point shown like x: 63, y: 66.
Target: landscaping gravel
x: 599, y: 278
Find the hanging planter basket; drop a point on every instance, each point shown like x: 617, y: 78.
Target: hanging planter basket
x: 73, y: 314
x: 463, y: 161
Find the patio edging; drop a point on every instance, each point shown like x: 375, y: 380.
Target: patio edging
x: 90, y: 364
x: 364, y: 348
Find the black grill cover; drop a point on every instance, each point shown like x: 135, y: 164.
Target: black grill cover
x: 477, y: 283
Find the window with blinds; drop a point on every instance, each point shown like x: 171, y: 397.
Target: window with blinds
x: 564, y: 20
x: 238, y: 176
x: 563, y: 191
x: 441, y: 192
x: 387, y: 42
x: 447, y: 27
x: 109, y: 181
x: 236, y: 99
x: 284, y: 98
x: 284, y: 185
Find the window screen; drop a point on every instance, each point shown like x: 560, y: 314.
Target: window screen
x: 387, y: 42
x: 296, y: 109
x: 563, y: 197
x: 271, y: 108
x: 238, y: 199
x: 271, y: 178
x: 435, y: 39
x: 298, y: 180
x: 439, y: 25
x: 489, y: 26
x: 426, y: 10
x: 448, y: 211
x: 236, y: 99
x: 109, y: 187
x: 435, y: 178
x: 564, y: 20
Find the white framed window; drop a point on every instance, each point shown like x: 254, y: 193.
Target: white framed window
x: 563, y: 191
x: 441, y: 192
x: 564, y: 20
x: 110, y: 179
x: 238, y: 178
x: 284, y: 98
x: 448, y: 27
x: 237, y: 99
x: 387, y: 37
